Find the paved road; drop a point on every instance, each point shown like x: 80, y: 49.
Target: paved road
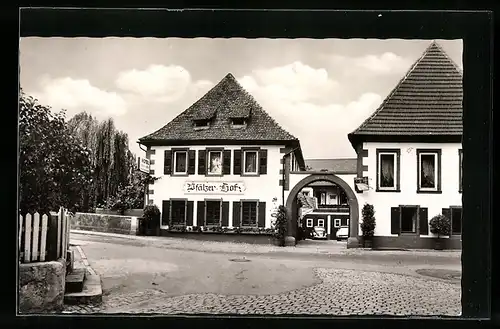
x: 139, y: 276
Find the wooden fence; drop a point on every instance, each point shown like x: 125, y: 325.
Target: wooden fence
x: 44, y: 238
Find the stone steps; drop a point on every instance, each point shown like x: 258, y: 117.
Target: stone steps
x: 81, y: 286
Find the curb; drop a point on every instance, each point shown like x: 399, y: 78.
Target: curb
x: 85, y: 261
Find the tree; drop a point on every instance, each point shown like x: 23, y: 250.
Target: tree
x: 54, y: 166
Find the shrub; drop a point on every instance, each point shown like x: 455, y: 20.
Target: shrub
x: 368, y: 224
x: 440, y: 225
x: 280, y: 225
x: 151, y: 212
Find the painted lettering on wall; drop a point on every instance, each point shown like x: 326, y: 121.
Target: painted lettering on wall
x: 214, y: 188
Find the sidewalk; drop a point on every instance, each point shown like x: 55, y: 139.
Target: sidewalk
x: 304, y: 247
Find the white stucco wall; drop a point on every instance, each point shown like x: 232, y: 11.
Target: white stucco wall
x: 263, y: 187
x: 383, y: 201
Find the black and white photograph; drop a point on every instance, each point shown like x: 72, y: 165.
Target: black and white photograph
x: 240, y: 176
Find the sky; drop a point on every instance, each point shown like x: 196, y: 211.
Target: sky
x: 319, y: 90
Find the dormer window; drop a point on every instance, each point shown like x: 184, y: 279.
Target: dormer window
x: 201, y: 124
x: 238, y: 122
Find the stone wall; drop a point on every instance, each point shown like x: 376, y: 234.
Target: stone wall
x: 41, y: 286
x: 104, y: 223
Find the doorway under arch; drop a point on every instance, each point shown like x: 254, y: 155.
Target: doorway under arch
x: 292, y: 207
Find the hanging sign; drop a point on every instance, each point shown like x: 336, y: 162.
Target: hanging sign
x: 144, y: 165
x: 214, y: 188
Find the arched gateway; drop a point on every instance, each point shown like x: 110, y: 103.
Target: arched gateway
x: 291, y: 205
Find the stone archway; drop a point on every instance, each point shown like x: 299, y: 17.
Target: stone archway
x: 353, y: 240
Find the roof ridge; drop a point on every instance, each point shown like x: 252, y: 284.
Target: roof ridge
x: 396, y: 88
x: 252, y: 98
x: 448, y: 57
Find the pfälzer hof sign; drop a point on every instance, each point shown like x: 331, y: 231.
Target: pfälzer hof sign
x: 214, y: 188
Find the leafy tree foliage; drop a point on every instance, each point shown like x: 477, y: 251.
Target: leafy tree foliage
x: 368, y: 224
x: 440, y: 225
x: 54, y: 166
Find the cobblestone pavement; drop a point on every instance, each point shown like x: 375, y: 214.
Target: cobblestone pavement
x: 341, y: 292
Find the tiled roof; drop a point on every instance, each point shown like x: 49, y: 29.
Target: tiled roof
x: 427, y: 101
x: 347, y: 165
x: 224, y: 101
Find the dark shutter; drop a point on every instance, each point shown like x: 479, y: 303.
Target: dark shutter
x: 395, y: 217
x: 165, y: 212
x: 189, y: 215
x: 191, y: 162
x: 236, y: 214
x: 262, y: 162
x: 202, y: 165
x: 167, y: 165
x: 423, y: 221
x: 447, y: 213
x: 237, y: 162
x: 225, y: 213
x: 262, y: 214
x: 200, y: 219
x: 226, y: 163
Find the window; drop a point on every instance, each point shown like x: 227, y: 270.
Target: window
x: 323, y: 198
x: 429, y: 170
x: 215, y: 162
x: 213, y: 213
x: 249, y: 213
x: 409, y: 219
x: 337, y: 222
x: 178, y: 212
x: 321, y: 222
x: 180, y: 162
x: 200, y: 124
x: 305, y: 193
x: 456, y: 220
x: 309, y: 222
x: 250, y: 162
x: 342, y: 198
x: 238, y: 121
x: 388, y: 170
x: 460, y: 171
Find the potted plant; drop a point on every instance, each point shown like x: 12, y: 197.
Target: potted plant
x: 151, y: 220
x: 279, y: 226
x: 368, y: 225
x: 440, y: 225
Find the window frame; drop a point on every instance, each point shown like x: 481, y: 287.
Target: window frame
x: 170, y: 223
x: 174, y: 162
x: 207, y: 162
x: 243, y: 160
x: 437, y: 170
x: 322, y: 221
x: 311, y: 221
x: 397, y: 169
x: 205, y: 212
x: 417, y: 220
x: 256, y: 212
x: 451, y: 221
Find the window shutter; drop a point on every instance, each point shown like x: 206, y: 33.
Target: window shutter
x: 191, y: 162
x: 165, y: 212
x: 225, y: 213
x: 200, y: 216
x: 395, y: 216
x: 237, y: 162
x: 226, y: 163
x: 189, y: 215
x: 202, y: 165
x: 167, y: 165
x: 263, y: 162
x: 262, y: 214
x: 236, y: 213
x: 423, y: 221
x: 447, y: 213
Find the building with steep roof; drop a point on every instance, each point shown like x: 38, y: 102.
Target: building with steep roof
x: 409, y: 152
x: 220, y: 164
